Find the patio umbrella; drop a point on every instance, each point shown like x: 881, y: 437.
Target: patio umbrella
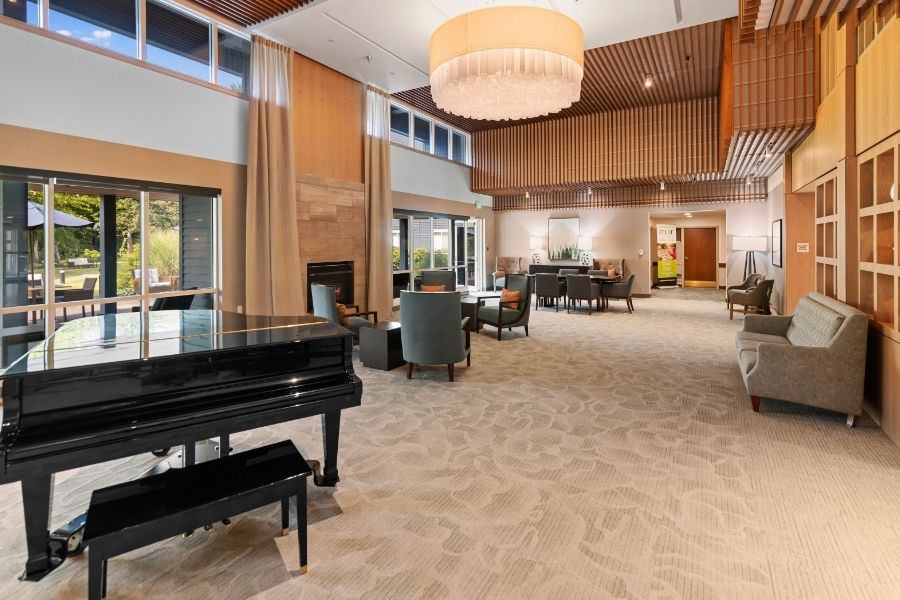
x: 60, y: 219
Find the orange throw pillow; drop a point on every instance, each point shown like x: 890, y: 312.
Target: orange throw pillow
x: 434, y: 288
x: 342, y: 311
x: 612, y: 271
x: 508, y: 296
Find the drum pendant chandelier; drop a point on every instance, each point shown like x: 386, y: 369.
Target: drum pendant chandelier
x: 507, y: 63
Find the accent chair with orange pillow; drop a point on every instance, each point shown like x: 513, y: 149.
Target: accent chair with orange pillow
x: 325, y: 305
x: 512, y: 312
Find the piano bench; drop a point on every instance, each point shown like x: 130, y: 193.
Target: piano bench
x: 125, y: 517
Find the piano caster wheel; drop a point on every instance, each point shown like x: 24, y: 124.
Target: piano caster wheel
x: 226, y: 522
x: 161, y: 452
x: 188, y: 534
x: 207, y: 527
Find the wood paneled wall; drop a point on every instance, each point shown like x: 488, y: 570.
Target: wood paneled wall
x: 637, y: 146
x: 329, y: 122
x: 774, y: 83
x: 878, y: 88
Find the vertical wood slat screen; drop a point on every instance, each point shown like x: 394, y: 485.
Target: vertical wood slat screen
x: 637, y: 145
x: 774, y: 79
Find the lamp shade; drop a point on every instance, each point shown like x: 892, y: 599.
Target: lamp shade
x: 537, y: 243
x: 507, y: 62
x: 749, y: 243
x: 585, y: 243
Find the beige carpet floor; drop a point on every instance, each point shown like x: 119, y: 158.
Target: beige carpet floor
x: 605, y: 456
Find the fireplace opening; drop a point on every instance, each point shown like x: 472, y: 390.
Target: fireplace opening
x: 338, y: 274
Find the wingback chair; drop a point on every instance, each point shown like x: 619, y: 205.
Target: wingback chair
x: 325, y: 306
x: 505, y: 314
x: 621, y: 290
x: 751, y: 282
x: 546, y: 286
x: 506, y: 265
x: 580, y: 287
x: 444, y: 278
x: 432, y: 330
x: 756, y: 298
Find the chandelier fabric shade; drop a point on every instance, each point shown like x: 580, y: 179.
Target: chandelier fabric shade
x: 507, y: 63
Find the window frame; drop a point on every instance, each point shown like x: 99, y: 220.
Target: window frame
x: 212, y: 79
x: 451, y: 131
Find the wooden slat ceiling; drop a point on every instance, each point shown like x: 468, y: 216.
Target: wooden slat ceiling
x: 762, y: 14
x: 683, y: 64
x: 251, y: 12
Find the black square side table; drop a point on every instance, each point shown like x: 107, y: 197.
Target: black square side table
x: 380, y: 346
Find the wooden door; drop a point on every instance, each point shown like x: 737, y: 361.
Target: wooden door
x: 700, y: 257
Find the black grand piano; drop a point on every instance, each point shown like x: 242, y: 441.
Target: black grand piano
x: 117, y: 385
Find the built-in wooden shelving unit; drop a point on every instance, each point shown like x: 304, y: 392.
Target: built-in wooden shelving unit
x: 879, y: 234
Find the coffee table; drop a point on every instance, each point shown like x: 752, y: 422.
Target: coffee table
x: 380, y: 346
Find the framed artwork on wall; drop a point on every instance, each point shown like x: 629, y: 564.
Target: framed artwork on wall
x: 563, y: 239
x: 777, y: 256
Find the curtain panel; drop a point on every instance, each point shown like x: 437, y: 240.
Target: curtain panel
x: 379, y: 206
x: 272, y: 261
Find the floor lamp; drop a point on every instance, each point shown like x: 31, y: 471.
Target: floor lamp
x: 750, y: 245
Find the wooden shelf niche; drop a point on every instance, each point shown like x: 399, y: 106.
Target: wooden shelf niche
x: 827, y: 231
x: 879, y: 234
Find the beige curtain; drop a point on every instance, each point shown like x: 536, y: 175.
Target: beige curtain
x: 274, y: 282
x: 379, y: 209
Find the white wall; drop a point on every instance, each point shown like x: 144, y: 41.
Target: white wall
x: 625, y: 232
x: 417, y: 173
x: 53, y: 86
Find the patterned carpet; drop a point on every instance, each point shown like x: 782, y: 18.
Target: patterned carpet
x: 605, y: 456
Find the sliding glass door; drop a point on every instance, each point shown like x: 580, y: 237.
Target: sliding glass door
x: 75, y: 248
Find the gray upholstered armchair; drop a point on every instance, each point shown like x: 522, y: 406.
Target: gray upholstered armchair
x: 444, y: 278
x: 325, y: 306
x: 546, y: 286
x: 756, y: 298
x: 621, y: 290
x: 580, y: 287
x: 751, y: 282
x: 432, y: 331
x: 505, y: 314
x: 506, y: 265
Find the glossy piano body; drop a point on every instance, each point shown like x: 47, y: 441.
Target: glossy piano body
x: 117, y: 385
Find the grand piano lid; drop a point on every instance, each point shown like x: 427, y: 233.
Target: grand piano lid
x: 144, y: 335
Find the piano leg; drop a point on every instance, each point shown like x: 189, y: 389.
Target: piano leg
x: 331, y: 431
x: 36, y: 498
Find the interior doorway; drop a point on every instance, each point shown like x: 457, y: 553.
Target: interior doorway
x: 700, y: 257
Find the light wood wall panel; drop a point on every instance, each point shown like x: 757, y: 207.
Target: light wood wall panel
x: 329, y: 122
x: 878, y: 88
x: 639, y: 145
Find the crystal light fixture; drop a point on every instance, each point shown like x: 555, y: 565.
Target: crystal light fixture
x: 506, y: 63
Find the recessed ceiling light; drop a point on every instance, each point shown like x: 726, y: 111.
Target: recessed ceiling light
x: 662, y: 186
x: 688, y: 215
x: 527, y: 194
x: 590, y: 192
x: 648, y: 81
x: 749, y: 180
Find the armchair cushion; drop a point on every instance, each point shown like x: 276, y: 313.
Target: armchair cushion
x: 814, y: 326
x: 511, y: 297
x: 491, y: 315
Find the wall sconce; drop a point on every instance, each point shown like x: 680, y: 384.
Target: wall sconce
x: 585, y: 245
x: 537, y: 244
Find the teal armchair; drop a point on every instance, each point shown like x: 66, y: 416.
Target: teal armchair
x: 504, y: 315
x: 433, y: 331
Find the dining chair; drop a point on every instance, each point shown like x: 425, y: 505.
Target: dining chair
x: 621, y: 290
x: 548, y: 285
x: 580, y: 287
